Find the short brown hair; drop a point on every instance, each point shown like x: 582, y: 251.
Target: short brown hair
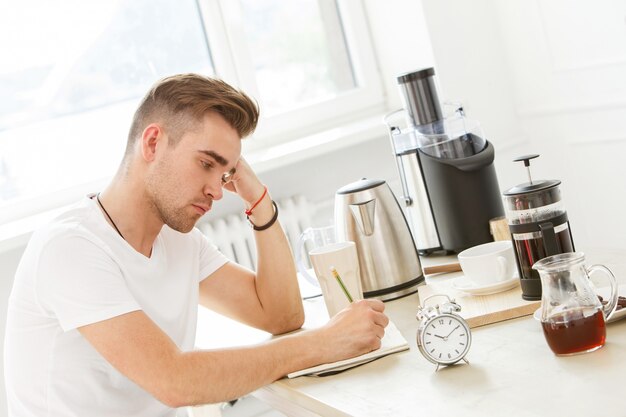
x: 182, y: 100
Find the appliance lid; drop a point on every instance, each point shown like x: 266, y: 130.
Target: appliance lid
x: 361, y: 185
x: 535, y: 186
x: 420, y: 97
x: 530, y: 186
x: 415, y: 75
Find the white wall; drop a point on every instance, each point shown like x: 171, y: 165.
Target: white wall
x: 571, y: 98
x: 545, y: 77
x: 401, y: 41
x: 471, y: 66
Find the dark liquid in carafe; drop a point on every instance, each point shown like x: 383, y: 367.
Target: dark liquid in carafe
x: 530, y: 251
x: 573, y: 332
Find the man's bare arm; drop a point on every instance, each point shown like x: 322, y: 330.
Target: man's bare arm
x: 140, y: 350
x: 270, y: 298
x: 237, y: 292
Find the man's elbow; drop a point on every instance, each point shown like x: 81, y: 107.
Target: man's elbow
x: 296, y: 321
x: 171, y: 384
x: 172, y: 400
x: 171, y: 391
x: 287, y: 324
x: 177, y: 393
x: 177, y: 400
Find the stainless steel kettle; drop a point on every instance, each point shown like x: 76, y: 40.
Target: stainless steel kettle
x: 367, y: 213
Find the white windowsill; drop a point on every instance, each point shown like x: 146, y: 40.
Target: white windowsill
x: 297, y: 150
x: 16, y: 233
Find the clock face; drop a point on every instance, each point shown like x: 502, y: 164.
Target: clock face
x: 445, y: 339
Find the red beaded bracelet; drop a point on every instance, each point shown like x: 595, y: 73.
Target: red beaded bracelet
x: 249, y: 211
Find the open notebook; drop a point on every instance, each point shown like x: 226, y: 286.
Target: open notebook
x: 392, y: 342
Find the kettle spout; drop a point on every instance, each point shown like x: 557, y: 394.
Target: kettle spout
x: 363, y: 214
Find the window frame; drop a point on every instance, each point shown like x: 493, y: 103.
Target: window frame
x: 232, y: 63
x: 224, y: 26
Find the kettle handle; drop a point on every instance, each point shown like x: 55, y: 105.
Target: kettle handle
x: 363, y: 215
x: 306, y: 235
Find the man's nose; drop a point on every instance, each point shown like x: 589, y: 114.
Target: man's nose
x: 214, y: 189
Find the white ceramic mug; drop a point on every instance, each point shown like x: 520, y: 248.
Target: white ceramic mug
x: 488, y: 263
x: 343, y: 257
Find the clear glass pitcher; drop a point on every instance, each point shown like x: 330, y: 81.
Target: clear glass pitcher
x: 312, y: 238
x: 572, y: 316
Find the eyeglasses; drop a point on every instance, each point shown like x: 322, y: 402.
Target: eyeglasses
x: 227, y: 177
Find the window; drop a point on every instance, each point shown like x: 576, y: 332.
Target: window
x: 76, y: 70
x: 300, y: 57
x: 308, y: 62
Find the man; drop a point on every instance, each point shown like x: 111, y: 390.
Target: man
x: 102, y: 315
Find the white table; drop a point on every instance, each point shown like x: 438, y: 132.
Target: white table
x: 511, y: 371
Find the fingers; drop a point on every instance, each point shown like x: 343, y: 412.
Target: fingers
x: 241, y: 169
x: 375, y: 316
x: 242, y: 162
x: 244, y: 182
x: 377, y: 308
x: 381, y: 320
x: 379, y: 331
x: 358, y: 329
x: 229, y: 186
x: 375, y: 305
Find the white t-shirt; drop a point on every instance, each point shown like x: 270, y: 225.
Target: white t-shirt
x: 78, y: 271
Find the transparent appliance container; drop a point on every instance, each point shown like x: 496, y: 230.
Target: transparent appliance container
x: 451, y: 138
x: 528, y: 203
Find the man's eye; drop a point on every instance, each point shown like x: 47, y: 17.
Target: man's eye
x: 206, y: 165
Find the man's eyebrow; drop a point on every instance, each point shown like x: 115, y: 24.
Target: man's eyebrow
x: 219, y: 158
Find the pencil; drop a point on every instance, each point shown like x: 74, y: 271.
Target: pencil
x: 343, y: 287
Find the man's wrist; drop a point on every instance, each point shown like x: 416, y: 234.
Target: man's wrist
x: 263, y: 212
x: 267, y: 225
x: 251, y: 206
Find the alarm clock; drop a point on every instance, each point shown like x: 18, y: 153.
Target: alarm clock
x: 443, y: 336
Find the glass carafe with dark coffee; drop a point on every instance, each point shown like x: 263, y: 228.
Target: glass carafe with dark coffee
x: 539, y: 226
x: 572, y: 317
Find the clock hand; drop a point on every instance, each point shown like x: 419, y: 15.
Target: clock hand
x: 441, y: 337
x: 452, y: 331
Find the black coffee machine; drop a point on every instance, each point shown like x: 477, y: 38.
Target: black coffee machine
x: 539, y: 226
x: 446, y: 168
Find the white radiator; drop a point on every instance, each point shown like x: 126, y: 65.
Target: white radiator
x: 234, y: 237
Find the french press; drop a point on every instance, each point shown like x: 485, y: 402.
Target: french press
x: 538, y: 224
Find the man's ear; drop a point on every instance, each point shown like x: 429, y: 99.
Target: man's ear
x: 152, y: 139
